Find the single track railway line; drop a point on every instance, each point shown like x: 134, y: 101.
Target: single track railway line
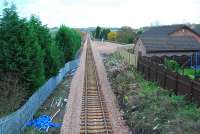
x: 94, y: 113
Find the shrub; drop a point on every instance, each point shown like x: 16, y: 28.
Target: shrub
x: 111, y: 36
x: 172, y: 65
x: 126, y: 35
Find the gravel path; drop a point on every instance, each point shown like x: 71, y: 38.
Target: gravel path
x: 109, y: 47
x: 106, y: 47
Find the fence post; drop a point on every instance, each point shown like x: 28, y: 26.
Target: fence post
x: 176, y: 84
x: 156, y: 73
x: 191, y: 93
x: 143, y: 66
x: 165, y: 78
x: 148, y: 75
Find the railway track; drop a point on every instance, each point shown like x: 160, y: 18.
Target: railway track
x: 94, y: 113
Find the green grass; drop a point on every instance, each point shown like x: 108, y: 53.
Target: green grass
x: 189, y: 72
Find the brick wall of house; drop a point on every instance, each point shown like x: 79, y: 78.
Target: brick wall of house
x: 186, y: 32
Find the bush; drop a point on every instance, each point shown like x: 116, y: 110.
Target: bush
x: 126, y: 35
x: 111, y: 36
x: 172, y: 65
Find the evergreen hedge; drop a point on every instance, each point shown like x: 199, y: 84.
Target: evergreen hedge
x: 69, y: 41
x: 28, y: 49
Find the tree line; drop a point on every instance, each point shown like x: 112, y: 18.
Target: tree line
x: 123, y: 35
x: 29, y: 54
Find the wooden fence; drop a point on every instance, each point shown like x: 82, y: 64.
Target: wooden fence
x: 179, y: 59
x: 167, y: 79
x: 130, y: 58
x: 152, y: 70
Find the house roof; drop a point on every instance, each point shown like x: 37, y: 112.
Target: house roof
x: 170, y: 44
x: 161, y: 31
x: 196, y: 28
x: 158, y: 39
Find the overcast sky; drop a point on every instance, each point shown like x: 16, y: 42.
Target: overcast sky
x: 109, y: 13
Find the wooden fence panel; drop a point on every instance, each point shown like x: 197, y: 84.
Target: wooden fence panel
x: 153, y: 71
x: 146, y: 71
x: 142, y: 68
x: 184, y: 87
x: 129, y: 58
x: 196, y: 92
x: 133, y: 59
x: 161, y: 76
x: 171, y: 80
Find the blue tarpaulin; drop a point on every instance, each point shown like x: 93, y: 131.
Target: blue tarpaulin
x: 43, y: 123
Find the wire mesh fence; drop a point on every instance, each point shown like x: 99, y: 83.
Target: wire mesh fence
x: 15, y: 122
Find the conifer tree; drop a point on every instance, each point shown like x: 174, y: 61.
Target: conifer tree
x: 53, y: 60
x: 20, y: 50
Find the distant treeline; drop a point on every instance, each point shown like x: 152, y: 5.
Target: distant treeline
x: 123, y: 35
x: 29, y: 54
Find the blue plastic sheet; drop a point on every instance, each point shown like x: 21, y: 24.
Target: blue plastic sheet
x: 43, y: 123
